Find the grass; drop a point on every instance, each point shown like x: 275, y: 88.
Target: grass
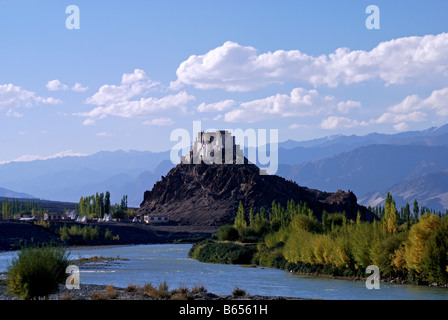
x: 162, y: 292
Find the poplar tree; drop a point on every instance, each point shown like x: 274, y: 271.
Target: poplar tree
x: 240, y: 223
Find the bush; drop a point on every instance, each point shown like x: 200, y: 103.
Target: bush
x: 238, y: 292
x: 37, y: 272
x: 226, y: 253
x: 227, y: 233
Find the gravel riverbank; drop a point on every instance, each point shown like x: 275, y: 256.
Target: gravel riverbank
x: 102, y: 292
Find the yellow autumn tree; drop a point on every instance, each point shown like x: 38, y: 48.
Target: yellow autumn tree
x: 419, y: 234
x: 390, y: 218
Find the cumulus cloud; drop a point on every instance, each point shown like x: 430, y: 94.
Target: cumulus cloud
x: 15, y: 96
x: 129, y: 100
x: 234, y: 67
x: 335, y: 122
x: 217, y: 106
x: 79, y: 88
x: 132, y: 85
x: 56, y: 85
x: 346, y: 106
x: 299, y: 103
x: 415, y: 109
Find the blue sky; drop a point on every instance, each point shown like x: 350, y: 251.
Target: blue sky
x: 137, y: 70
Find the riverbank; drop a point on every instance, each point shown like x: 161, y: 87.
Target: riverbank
x: 15, y: 234
x: 103, y: 292
x: 228, y: 252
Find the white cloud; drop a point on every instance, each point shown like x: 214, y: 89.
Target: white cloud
x: 103, y: 134
x: 415, y: 109
x: 295, y: 126
x: 335, y: 122
x: 79, y: 88
x: 216, y: 107
x: 233, y: 67
x: 390, y: 117
x: 160, y: 122
x: 132, y: 85
x: 13, y: 114
x: 56, y: 85
x: 402, y: 126
x: 128, y: 100
x: 346, y: 106
x: 15, y: 96
x: 299, y: 103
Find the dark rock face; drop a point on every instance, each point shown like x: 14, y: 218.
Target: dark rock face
x: 201, y: 194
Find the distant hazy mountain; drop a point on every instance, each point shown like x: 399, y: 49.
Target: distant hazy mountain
x: 5, y: 193
x: 69, y: 178
x: 362, y: 164
x: 433, y: 136
x: 431, y: 191
x: 370, y: 168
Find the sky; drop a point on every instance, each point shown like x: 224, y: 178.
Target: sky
x: 134, y: 71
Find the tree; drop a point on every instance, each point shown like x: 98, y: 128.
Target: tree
x: 124, y: 203
x: 107, y: 203
x: 240, y: 223
x: 435, y: 257
x: 407, y: 213
x: 415, y: 210
x: 390, y: 218
x: 419, y: 235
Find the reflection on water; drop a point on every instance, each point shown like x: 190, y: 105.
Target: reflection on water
x: 170, y: 263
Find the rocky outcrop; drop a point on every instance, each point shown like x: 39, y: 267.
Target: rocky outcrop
x: 201, y: 194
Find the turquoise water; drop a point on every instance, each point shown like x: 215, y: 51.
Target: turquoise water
x: 170, y: 263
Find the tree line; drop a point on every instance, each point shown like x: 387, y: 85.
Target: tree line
x: 97, y: 205
x: 11, y: 207
x: 404, y: 245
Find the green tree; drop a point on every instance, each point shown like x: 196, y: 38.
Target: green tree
x: 107, y: 203
x: 415, y: 210
x: 390, y: 218
x: 240, y: 223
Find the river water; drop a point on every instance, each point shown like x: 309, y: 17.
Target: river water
x: 169, y: 262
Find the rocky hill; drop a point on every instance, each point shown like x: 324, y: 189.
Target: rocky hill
x: 201, y: 194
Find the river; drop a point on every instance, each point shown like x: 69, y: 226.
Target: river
x: 169, y: 262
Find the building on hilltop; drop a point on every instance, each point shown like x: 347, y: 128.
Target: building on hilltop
x: 217, y: 147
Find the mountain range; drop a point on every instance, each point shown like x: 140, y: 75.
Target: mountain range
x: 410, y: 165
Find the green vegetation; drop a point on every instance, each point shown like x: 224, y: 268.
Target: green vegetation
x: 37, y: 272
x: 86, y: 232
x: 222, y: 252
x: 96, y: 206
x: 406, y: 245
x: 12, y: 207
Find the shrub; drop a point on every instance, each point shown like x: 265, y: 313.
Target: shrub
x: 161, y: 292
x: 227, y: 233
x: 37, y: 272
x: 226, y: 253
x: 238, y: 292
x: 108, y: 235
x: 131, y: 288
